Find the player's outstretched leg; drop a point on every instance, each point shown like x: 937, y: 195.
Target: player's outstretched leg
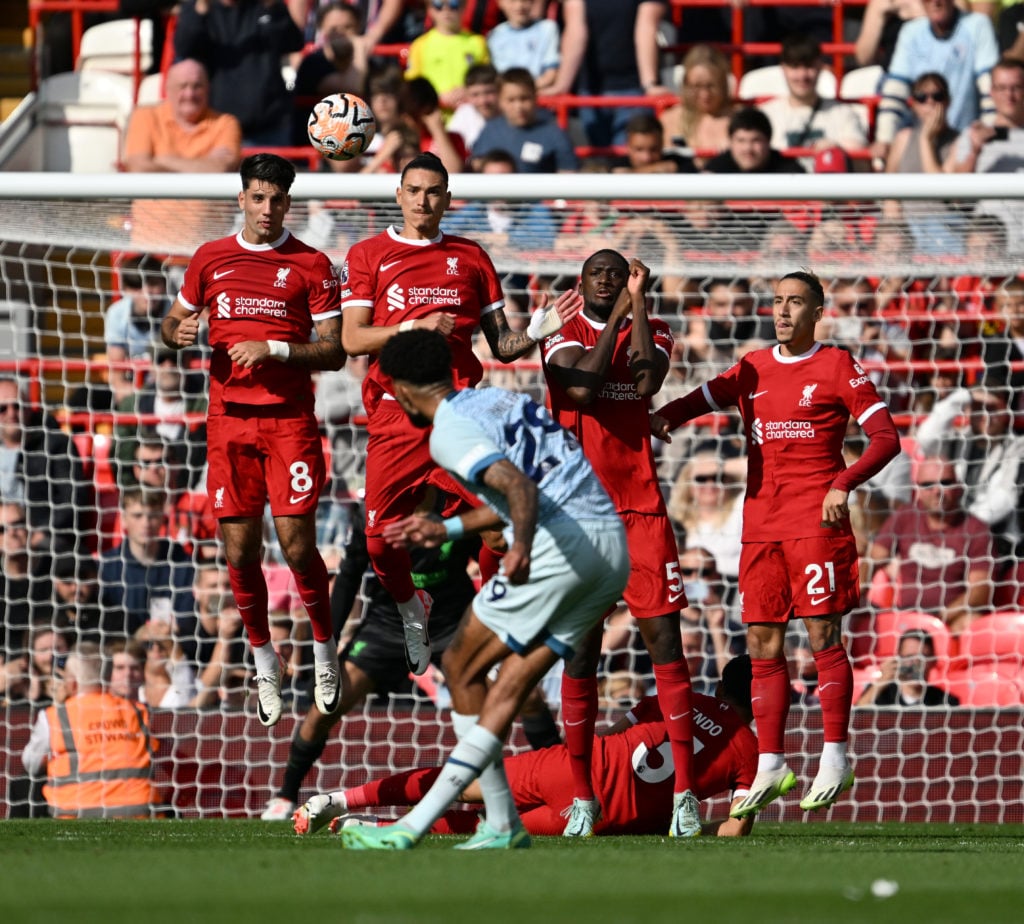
x: 685, y: 815
x: 486, y: 838
x: 582, y: 815
x: 415, y: 615
x: 768, y: 786
x: 828, y: 786
x: 319, y: 811
x: 369, y: 837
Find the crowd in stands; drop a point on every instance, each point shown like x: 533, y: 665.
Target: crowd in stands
x: 134, y: 563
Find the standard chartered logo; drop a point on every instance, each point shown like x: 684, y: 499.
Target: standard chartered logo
x: 757, y: 432
x: 396, y: 297
x: 223, y: 305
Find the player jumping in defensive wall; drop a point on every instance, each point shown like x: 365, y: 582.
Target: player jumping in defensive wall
x: 266, y: 292
x: 799, y: 557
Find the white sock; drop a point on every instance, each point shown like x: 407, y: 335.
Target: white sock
x: 325, y: 652
x: 833, y: 754
x: 462, y: 723
x: 477, y: 750
x: 412, y: 609
x: 769, y: 762
x: 499, y: 806
x: 266, y: 659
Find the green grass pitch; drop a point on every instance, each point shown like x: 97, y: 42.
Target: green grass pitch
x: 226, y: 871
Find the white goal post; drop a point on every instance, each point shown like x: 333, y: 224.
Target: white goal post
x: 925, y: 258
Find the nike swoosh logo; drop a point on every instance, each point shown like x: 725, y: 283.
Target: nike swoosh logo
x: 673, y: 597
x: 580, y: 722
x: 222, y: 273
x: 757, y: 394
x: 682, y: 715
x: 754, y: 699
x: 294, y: 500
x: 384, y: 267
x: 825, y: 686
x: 817, y: 601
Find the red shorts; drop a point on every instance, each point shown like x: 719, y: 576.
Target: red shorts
x: 798, y: 577
x: 264, y: 457
x: 655, y: 585
x: 399, y: 469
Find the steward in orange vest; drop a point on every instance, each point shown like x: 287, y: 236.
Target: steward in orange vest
x: 100, y: 749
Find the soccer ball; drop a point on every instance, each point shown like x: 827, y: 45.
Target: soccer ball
x: 341, y: 126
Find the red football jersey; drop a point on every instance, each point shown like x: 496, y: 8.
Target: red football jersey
x: 637, y: 774
x: 260, y: 292
x: 614, y: 430
x: 402, y: 280
x: 795, y: 411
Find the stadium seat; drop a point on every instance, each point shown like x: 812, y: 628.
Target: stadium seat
x: 81, y: 117
x: 983, y: 688
x: 764, y: 82
x: 861, y: 82
x: 282, y: 594
x: 151, y: 89
x: 110, y: 46
x: 990, y: 640
x: 83, y: 446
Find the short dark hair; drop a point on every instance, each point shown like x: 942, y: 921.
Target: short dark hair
x: 750, y: 119
x: 918, y: 635
x: 426, y: 161
x: 811, y: 281
x: 643, y: 123
x: 736, y: 678
x: 268, y: 168
x: 480, y: 74
x: 498, y: 156
x: 800, y: 49
x: 338, y: 6
x: 519, y: 76
x: 138, y: 272
x: 420, y: 95
x: 605, y: 250
x: 419, y: 357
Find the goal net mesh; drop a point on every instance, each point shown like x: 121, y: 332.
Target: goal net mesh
x: 916, y: 290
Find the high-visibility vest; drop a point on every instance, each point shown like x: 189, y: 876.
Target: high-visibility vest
x: 101, y: 755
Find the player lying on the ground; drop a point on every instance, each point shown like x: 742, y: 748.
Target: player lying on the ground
x: 633, y: 773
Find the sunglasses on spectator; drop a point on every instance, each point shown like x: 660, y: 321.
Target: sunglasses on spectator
x: 944, y: 483
x: 4, y: 408
x: 441, y: 4
x: 709, y: 479
x: 936, y: 96
x: 702, y: 572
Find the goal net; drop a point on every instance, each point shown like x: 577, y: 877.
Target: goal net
x: 922, y: 278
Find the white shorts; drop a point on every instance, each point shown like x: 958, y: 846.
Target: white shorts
x: 578, y: 570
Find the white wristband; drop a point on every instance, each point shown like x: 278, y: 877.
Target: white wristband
x: 279, y: 350
x: 543, y: 323
x: 406, y: 325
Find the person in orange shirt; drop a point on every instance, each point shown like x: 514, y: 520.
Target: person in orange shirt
x: 182, y: 134
x: 96, y: 747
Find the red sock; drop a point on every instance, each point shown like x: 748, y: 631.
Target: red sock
x: 835, y: 690
x: 675, y: 697
x: 488, y: 560
x: 769, y: 700
x: 315, y: 592
x: 249, y: 586
x: 393, y: 567
x: 399, y: 789
x: 579, y: 716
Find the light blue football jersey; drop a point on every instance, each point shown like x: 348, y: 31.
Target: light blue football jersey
x: 475, y: 428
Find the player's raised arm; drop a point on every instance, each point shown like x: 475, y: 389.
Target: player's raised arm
x: 648, y: 364
x: 508, y: 345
